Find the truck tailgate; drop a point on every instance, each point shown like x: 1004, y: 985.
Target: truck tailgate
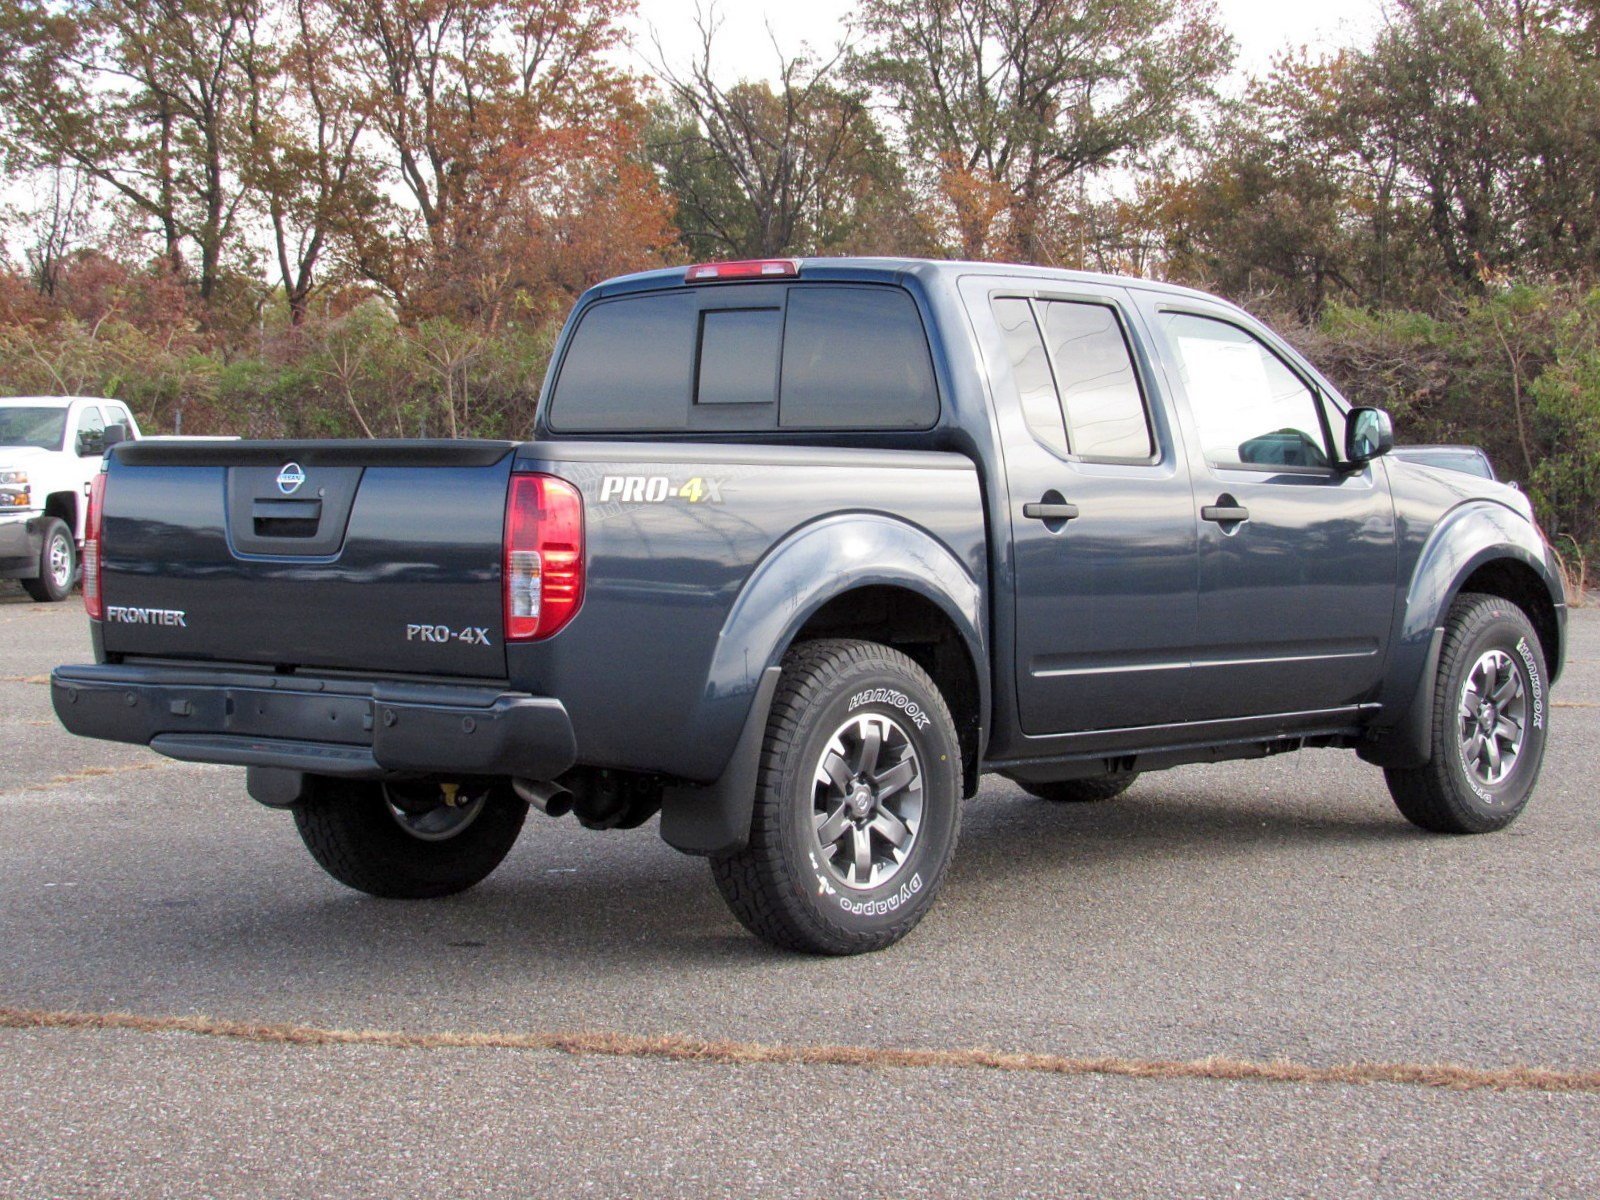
x: 370, y: 556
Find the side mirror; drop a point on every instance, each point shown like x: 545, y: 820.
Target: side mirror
x: 1368, y: 434
x: 114, y: 434
x: 91, y: 443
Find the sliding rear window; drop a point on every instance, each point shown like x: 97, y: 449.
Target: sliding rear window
x: 748, y: 357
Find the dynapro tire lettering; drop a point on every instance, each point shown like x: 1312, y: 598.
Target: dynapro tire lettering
x: 658, y: 489
x: 895, y: 699
x: 889, y: 904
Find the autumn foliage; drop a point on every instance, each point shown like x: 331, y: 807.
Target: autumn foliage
x: 368, y: 217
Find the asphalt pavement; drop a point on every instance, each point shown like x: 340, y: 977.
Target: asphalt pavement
x: 1271, y: 910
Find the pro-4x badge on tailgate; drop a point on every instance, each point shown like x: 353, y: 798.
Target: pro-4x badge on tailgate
x: 471, y: 635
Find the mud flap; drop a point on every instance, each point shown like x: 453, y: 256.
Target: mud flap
x: 715, y: 819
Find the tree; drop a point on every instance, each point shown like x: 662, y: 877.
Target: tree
x: 481, y: 107
x: 759, y: 171
x: 305, y: 161
x: 1005, y: 104
x: 144, y: 96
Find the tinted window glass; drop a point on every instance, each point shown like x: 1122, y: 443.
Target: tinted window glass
x: 1250, y: 408
x: 117, y: 415
x: 41, y: 427
x: 855, y: 358
x: 1095, y: 376
x: 739, y: 356
x: 1030, y: 367
x: 629, y: 366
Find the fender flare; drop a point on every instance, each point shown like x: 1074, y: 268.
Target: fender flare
x: 813, y: 565
x: 1467, y: 538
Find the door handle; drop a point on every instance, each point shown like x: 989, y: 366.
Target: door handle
x: 1041, y: 511
x: 1225, y: 514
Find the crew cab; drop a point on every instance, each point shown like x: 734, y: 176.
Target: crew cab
x: 798, y: 552
x: 50, y: 448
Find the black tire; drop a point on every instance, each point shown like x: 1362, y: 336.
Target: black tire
x: 1082, y: 791
x: 1448, y: 794
x: 786, y: 887
x: 351, y: 832
x: 58, y: 563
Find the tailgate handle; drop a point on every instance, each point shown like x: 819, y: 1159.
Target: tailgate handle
x: 286, y: 518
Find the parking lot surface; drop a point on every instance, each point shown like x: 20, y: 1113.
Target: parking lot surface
x: 1270, y: 910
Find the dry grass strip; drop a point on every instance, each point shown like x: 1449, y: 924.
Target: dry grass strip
x: 1573, y: 704
x: 88, y: 773
x: 24, y: 679
x: 679, y: 1048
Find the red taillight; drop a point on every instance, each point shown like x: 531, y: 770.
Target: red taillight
x: 93, y: 598
x: 543, y: 556
x: 750, y: 268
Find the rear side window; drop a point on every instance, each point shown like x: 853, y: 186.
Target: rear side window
x: 1075, y: 378
x: 748, y: 357
x: 1094, y: 373
x: 1251, y: 409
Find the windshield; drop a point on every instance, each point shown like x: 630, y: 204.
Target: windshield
x: 41, y: 427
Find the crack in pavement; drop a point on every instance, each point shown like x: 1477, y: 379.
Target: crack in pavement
x: 683, y: 1048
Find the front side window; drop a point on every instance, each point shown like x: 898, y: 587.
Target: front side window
x: 1251, y: 409
x: 91, y: 431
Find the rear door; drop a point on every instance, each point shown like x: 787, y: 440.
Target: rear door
x: 1102, y: 527
x: 1296, y: 556
x: 366, y: 556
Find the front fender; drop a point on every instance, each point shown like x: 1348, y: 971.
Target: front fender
x: 1468, y: 537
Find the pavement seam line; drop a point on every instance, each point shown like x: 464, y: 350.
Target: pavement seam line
x: 682, y: 1048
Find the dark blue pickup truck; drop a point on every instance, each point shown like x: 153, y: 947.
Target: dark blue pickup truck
x: 798, y: 552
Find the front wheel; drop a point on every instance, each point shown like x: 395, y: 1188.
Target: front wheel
x: 411, y: 841
x: 58, y: 564
x: 857, y: 805
x: 1489, y: 714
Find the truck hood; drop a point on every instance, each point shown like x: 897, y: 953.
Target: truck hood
x: 21, y: 456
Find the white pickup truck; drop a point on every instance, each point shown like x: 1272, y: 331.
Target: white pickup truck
x: 50, y: 448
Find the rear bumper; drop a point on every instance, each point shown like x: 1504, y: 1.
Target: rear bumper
x: 362, y: 729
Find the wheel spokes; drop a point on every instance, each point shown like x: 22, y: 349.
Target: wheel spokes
x: 893, y: 829
x: 871, y: 745
x: 863, y: 856
x: 895, y: 778
x: 838, y: 772
x: 832, y: 826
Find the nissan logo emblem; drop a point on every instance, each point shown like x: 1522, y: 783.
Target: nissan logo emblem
x: 290, y: 478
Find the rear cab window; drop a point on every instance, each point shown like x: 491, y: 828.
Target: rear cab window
x: 748, y: 358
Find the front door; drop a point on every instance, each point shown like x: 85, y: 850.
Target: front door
x: 1102, y: 527
x: 1296, y: 554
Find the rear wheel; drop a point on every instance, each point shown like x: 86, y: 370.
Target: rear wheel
x: 1488, y: 732
x: 1082, y: 791
x: 411, y: 841
x: 857, y: 805
x: 58, y: 564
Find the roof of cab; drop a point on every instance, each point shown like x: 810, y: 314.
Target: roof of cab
x: 50, y: 401
x: 890, y: 270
